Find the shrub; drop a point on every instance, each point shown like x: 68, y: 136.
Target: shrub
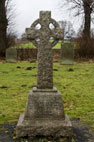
x: 86, y: 47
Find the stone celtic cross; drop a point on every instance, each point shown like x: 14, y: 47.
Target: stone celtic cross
x: 41, y: 38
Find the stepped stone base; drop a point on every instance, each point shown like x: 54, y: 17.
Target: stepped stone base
x: 44, y: 115
x: 57, y: 128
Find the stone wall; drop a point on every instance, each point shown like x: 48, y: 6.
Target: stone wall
x: 31, y: 54
x: 27, y: 54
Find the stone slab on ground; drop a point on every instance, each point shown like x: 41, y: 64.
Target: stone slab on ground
x: 67, y: 54
x: 81, y: 131
x: 11, y: 55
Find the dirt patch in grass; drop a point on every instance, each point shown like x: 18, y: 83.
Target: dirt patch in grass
x: 3, y: 87
x: 24, y: 85
x: 18, y: 67
x: 70, y: 69
x: 55, y: 69
x: 5, y: 72
x: 30, y: 68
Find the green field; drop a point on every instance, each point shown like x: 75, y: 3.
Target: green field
x: 77, y: 88
x: 31, y: 45
x: 27, y: 45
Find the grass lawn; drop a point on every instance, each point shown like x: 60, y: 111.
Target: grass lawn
x: 26, y: 45
x: 77, y: 88
x: 31, y: 45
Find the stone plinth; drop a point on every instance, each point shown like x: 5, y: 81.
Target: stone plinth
x: 44, y: 115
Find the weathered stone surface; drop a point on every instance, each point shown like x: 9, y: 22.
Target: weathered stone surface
x: 44, y: 115
x: 56, y: 128
x: 67, y: 54
x: 11, y: 55
x: 45, y: 59
x: 44, y: 104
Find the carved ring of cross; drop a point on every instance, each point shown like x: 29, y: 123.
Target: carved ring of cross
x: 33, y: 33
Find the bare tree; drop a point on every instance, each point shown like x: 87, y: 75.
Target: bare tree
x: 11, y: 14
x: 6, y: 24
x: 68, y: 29
x: 85, y: 7
x: 3, y: 27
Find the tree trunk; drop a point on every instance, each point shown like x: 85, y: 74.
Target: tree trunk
x: 3, y: 28
x: 87, y: 24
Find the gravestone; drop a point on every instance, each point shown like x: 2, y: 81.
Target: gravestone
x: 44, y: 114
x: 67, y: 54
x: 11, y: 55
